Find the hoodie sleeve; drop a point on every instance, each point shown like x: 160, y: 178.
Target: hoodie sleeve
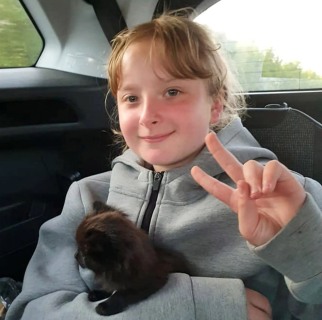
x: 183, y: 297
x: 296, y: 250
x: 54, y: 289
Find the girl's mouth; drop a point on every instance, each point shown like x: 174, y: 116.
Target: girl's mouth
x: 156, y: 138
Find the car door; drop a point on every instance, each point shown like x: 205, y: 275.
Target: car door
x: 54, y: 130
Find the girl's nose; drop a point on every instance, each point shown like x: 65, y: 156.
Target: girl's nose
x: 149, y: 112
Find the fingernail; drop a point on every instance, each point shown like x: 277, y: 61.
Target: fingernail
x: 255, y: 193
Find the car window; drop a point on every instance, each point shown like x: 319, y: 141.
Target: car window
x: 272, y: 44
x: 20, y: 43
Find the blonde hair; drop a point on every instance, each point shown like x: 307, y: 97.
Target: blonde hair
x: 187, y: 50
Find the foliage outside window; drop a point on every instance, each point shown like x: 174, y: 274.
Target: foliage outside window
x: 268, y: 42
x: 20, y: 43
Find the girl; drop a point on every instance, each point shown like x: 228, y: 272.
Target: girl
x: 243, y: 221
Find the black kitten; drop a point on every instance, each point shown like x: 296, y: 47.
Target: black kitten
x: 123, y: 259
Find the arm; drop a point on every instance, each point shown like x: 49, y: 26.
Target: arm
x: 295, y: 250
x: 54, y: 288
x: 181, y: 298
x: 278, y: 215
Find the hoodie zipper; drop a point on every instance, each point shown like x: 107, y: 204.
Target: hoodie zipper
x: 157, y: 177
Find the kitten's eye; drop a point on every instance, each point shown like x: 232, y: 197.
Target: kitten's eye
x: 172, y: 92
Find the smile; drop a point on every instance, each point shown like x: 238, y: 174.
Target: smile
x: 156, y: 138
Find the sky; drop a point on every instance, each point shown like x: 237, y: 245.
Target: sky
x: 292, y: 28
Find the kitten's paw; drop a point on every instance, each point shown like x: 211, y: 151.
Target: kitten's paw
x: 97, y: 295
x: 110, y: 307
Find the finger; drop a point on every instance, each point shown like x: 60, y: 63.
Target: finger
x: 256, y: 314
x: 253, y: 173
x: 278, y: 178
x: 258, y: 301
x: 271, y: 174
x: 218, y: 189
x: 254, y: 226
x: 275, y: 172
x: 248, y: 217
x: 224, y: 158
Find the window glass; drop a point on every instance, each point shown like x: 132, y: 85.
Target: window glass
x: 20, y: 43
x: 272, y: 44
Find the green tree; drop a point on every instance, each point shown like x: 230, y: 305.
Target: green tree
x: 263, y: 70
x: 20, y: 43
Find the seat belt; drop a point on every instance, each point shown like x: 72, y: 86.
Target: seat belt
x: 109, y: 16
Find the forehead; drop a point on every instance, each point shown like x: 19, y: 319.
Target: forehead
x: 136, y: 50
x: 146, y: 54
x: 151, y: 51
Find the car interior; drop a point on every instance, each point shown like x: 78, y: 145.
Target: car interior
x: 55, y: 128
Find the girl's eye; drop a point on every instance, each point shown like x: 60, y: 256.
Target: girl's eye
x: 172, y: 92
x: 131, y: 99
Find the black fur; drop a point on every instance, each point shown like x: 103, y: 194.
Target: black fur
x: 123, y: 259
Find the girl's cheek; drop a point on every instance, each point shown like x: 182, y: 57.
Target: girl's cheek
x: 128, y: 121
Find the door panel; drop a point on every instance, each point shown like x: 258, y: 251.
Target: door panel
x: 53, y: 131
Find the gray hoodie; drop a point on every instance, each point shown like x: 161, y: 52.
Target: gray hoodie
x: 185, y: 218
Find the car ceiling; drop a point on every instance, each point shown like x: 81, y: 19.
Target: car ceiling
x: 67, y: 28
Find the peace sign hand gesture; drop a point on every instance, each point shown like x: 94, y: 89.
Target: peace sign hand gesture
x: 266, y: 198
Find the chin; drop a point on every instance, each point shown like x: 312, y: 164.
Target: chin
x: 161, y: 157
x: 165, y: 164
x: 159, y: 161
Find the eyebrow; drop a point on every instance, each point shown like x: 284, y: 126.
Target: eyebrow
x: 174, y: 79
x: 133, y: 87
x: 127, y: 87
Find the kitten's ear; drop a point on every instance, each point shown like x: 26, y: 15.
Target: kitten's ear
x: 100, y: 207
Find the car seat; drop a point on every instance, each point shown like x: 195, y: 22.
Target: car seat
x: 295, y: 137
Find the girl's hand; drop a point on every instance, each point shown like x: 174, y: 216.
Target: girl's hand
x: 266, y: 198
x: 258, y: 307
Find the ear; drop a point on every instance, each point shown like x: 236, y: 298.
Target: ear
x: 216, y: 110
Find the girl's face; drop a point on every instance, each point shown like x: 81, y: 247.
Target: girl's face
x: 163, y: 120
